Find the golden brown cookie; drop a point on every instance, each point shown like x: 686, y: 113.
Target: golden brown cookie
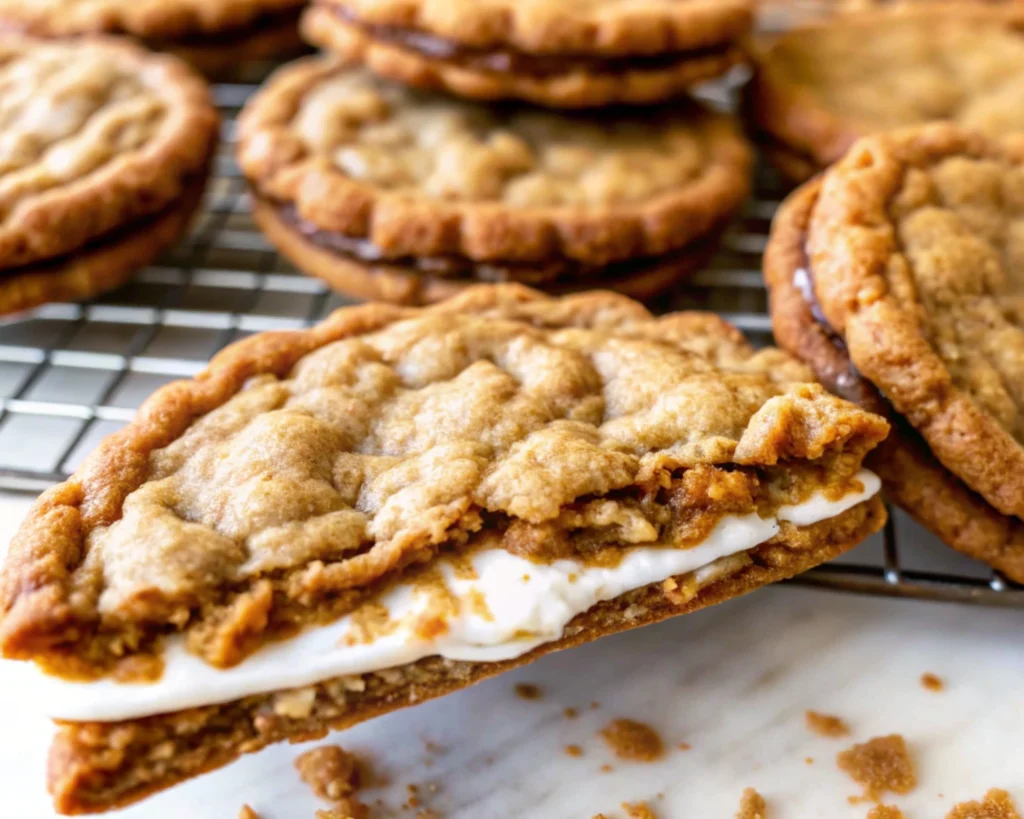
x: 820, y: 87
x: 324, y: 525
x: 911, y: 475
x: 566, y: 55
x: 215, y: 36
x: 106, y: 154
x: 400, y: 194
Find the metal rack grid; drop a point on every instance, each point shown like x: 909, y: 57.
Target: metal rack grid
x: 70, y: 374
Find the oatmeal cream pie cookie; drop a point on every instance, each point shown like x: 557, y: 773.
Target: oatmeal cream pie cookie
x: 820, y: 87
x: 104, y: 149
x: 567, y: 55
x: 899, y: 279
x: 406, y: 196
x: 330, y: 524
x: 215, y: 36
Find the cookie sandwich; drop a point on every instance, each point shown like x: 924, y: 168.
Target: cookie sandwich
x: 215, y: 36
x: 331, y: 524
x: 818, y: 88
x: 565, y: 55
x: 898, y: 277
x: 105, y: 155
x: 407, y: 196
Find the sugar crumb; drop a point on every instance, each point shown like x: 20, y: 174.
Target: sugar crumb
x: 752, y: 806
x: 573, y: 750
x: 638, y: 810
x: 331, y: 771
x: 996, y: 805
x: 826, y: 725
x: 528, y: 691
x: 885, y: 812
x: 633, y: 740
x: 932, y: 682
x: 879, y: 765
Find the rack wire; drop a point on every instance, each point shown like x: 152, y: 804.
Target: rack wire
x: 70, y: 374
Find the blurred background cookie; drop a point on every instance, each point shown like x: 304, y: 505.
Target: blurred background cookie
x: 105, y: 152
x: 215, y: 36
x: 390, y: 193
x: 549, y: 52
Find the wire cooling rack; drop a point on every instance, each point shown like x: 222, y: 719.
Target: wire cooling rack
x: 70, y: 374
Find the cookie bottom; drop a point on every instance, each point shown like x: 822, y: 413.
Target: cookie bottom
x: 400, y: 284
x: 100, y: 266
x: 99, y: 766
x: 912, y: 477
x: 575, y: 87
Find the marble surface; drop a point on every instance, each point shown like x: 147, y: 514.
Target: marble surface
x: 733, y: 682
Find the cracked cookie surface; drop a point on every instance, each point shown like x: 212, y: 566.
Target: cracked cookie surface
x: 819, y: 88
x: 424, y: 175
x: 97, y: 134
x: 917, y: 248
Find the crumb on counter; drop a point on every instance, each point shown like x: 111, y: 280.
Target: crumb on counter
x: 345, y: 809
x: 809, y: 760
x: 885, y: 812
x: 570, y: 713
x: 331, y: 771
x: 528, y: 691
x: 606, y: 768
x: 573, y: 750
x: 247, y: 813
x: 633, y: 740
x: 880, y: 765
x: 826, y: 725
x: 933, y: 682
x: 996, y: 805
x: 685, y: 746
x: 638, y: 810
x: 752, y: 806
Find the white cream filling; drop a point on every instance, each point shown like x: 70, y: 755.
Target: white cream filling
x: 527, y: 604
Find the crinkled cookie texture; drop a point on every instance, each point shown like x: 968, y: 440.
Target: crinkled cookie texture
x: 911, y: 475
x: 419, y: 174
x: 151, y: 19
x: 917, y: 248
x: 94, y: 135
x: 819, y: 88
x: 564, y: 55
x: 303, y: 467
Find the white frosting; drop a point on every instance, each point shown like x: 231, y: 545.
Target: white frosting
x: 526, y: 604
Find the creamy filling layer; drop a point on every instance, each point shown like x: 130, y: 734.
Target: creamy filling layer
x: 462, y: 268
x: 513, y: 61
x: 498, y: 607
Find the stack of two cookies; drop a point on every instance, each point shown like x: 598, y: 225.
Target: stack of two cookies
x: 406, y: 193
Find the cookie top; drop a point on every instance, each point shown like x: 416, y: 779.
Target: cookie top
x: 820, y: 87
x: 94, y: 134
x: 151, y: 19
x: 917, y: 250
x: 301, y: 468
x: 422, y: 174
x: 598, y: 27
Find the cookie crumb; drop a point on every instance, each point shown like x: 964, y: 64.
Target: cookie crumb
x: 594, y: 705
x: 752, y: 806
x: 570, y: 713
x: 330, y: 770
x: 809, y: 760
x: 881, y: 764
x: 932, y: 682
x: 345, y: 809
x: 638, y: 810
x: 825, y: 725
x: 573, y: 750
x: 633, y: 740
x: 606, y: 768
x: 885, y: 812
x: 685, y: 746
x: 528, y: 691
x: 247, y: 813
x: 997, y: 805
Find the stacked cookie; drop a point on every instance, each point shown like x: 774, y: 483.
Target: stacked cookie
x: 407, y: 194
x: 104, y: 151
x: 899, y: 277
x: 214, y: 36
x: 819, y: 88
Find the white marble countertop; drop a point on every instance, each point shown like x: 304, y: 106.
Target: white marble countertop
x: 733, y: 682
